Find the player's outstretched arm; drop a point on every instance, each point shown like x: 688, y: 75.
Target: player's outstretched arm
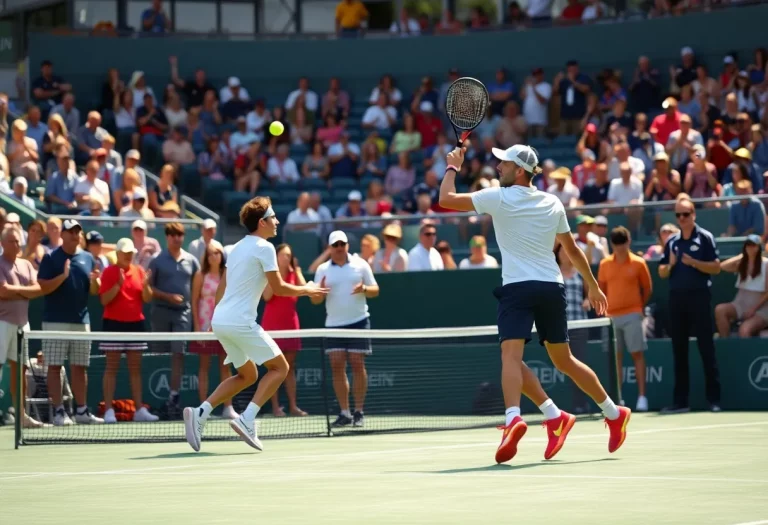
x: 580, y: 262
x: 282, y: 288
x: 449, y: 199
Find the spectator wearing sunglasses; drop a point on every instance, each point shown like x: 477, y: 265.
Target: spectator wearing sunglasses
x: 689, y: 261
x: 424, y: 257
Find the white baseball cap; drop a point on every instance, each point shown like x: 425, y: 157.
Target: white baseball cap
x: 355, y: 195
x: 125, y: 245
x: 20, y: 180
x: 233, y: 82
x: 139, y: 193
x: 687, y: 50
x: 523, y: 156
x: 337, y: 236
x: 139, y: 224
x: 426, y: 107
x: 208, y: 224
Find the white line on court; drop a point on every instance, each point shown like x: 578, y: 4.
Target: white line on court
x: 763, y: 522
x: 268, y: 461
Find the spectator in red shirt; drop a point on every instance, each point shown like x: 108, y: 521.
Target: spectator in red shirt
x: 586, y: 171
x: 428, y: 124
x: 280, y: 314
x: 124, y: 290
x: 663, y: 125
x: 572, y: 11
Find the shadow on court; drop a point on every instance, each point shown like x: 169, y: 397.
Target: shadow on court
x: 504, y: 467
x: 183, y: 455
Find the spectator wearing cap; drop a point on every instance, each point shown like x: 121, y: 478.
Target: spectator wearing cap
x: 18, y: 284
x: 478, y: 255
x: 573, y: 87
x: 380, y: 116
x: 588, y: 241
x: 125, y: 287
x: 664, y: 183
x: 178, y: 150
x: 48, y: 89
x: 536, y: 94
x: 407, y: 139
x: 352, y: 208
x: 90, y: 187
x: 351, y: 283
x: 137, y: 208
x: 343, y: 157
x: 645, y: 87
x: 621, y: 155
x: 22, y: 152
x: 689, y: 261
x: 281, y: 168
x: 303, y: 218
x: 233, y: 90
x: 512, y: 128
x: 685, y: 73
x: 743, y: 157
x: 424, y: 256
x: 681, y: 143
x: 391, y: 258
x: 501, y: 91
x: 428, y: 124
x: 172, y: 273
x: 195, y: 88
x: 12, y: 220
x: 239, y: 102
x: 746, y: 216
x: 585, y: 171
x: 19, y: 193
x: 401, y: 176
x: 701, y: 176
x: 626, y: 282
x: 89, y: 137
x: 590, y: 140
x: 600, y: 229
x: 94, y: 244
x: 199, y: 246
x: 663, y: 125
x: 68, y: 277
x: 147, y: 248
x: 563, y: 188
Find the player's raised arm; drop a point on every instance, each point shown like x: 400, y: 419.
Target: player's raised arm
x: 580, y: 262
x: 449, y: 199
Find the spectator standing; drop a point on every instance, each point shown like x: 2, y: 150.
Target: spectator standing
x: 204, y: 286
x: 172, y: 273
x: 280, y: 314
x: 68, y: 277
x: 350, y: 16
x: 645, y: 87
x: 478, y: 255
x: 424, y: 256
x: 195, y: 88
x: 351, y: 283
x: 154, y: 19
x: 147, y: 248
x: 391, y: 258
x: 689, y: 261
x: 573, y: 88
x: 748, y: 307
x: 536, y: 95
x: 501, y: 91
x: 663, y: 125
x: 199, y: 247
x: 747, y: 215
x: 428, y: 124
x: 124, y: 290
x: 626, y: 281
x: 18, y: 284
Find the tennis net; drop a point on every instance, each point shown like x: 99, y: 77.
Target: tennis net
x: 417, y: 380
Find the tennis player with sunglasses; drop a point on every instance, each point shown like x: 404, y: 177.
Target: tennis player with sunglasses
x: 527, y: 223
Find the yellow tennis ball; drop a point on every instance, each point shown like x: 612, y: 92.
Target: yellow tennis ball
x: 276, y: 128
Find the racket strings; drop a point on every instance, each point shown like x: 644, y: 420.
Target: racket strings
x: 466, y: 103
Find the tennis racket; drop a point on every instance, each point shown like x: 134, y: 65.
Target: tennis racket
x: 466, y: 104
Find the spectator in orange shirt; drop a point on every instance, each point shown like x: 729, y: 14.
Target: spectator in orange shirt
x: 626, y: 281
x: 350, y: 15
x: 669, y: 121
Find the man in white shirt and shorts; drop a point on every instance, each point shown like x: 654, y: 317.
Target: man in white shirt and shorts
x: 527, y: 223
x: 251, y: 265
x: 350, y: 282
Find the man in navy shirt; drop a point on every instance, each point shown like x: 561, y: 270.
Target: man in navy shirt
x: 573, y: 88
x: 67, y: 277
x: 48, y: 89
x: 690, y: 260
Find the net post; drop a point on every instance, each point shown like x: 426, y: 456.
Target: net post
x: 324, y: 387
x: 613, y: 367
x: 19, y: 387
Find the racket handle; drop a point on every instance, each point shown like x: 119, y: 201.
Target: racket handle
x: 463, y: 137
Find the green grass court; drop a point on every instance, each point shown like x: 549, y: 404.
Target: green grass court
x: 687, y: 469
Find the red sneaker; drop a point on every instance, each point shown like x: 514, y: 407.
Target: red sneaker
x: 513, y: 433
x: 557, y: 431
x: 618, y: 429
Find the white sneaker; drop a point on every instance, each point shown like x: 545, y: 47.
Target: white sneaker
x: 229, y: 413
x: 247, y: 431
x: 9, y: 419
x: 193, y: 427
x: 642, y: 404
x: 61, y: 419
x: 143, y: 415
x: 109, y: 416
x: 86, y: 418
x: 30, y: 422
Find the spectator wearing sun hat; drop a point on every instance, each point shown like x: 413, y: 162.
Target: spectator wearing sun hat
x: 663, y: 125
x: 391, y: 257
x: 743, y: 157
x: 563, y: 188
x: 19, y: 192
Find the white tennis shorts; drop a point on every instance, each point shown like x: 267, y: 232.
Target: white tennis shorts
x: 244, y: 343
x: 9, y: 338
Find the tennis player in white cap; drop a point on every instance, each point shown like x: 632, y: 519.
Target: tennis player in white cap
x: 527, y: 223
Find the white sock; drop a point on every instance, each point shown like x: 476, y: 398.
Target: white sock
x: 346, y: 413
x: 609, y: 408
x: 549, y: 409
x: 251, y: 412
x: 512, y: 413
x: 205, y: 410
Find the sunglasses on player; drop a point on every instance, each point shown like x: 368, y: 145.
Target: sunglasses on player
x: 685, y: 214
x: 339, y: 244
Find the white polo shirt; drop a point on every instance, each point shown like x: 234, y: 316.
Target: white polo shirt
x: 420, y: 260
x: 341, y: 307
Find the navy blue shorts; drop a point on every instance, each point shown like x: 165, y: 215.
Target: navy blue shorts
x: 525, y: 303
x: 346, y: 344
